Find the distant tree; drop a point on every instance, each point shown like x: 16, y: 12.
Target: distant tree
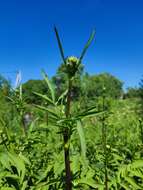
x: 88, y: 87
x: 132, y: 93
x: 5, y: 91
x: 5, y: 86
x: 141, y: 98
x: 93, y: 86
x: 32, y: 86
x: 140, y: 110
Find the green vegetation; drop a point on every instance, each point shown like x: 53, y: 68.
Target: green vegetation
x: 73, y: 131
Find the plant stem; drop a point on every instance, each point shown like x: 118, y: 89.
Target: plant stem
x: 68, y: 98
x: 104, y: 137
x: 141, y: 130
x: 23, y: 125
x: 141, y: 133
x: 66, y: 136
x: 68, y: 178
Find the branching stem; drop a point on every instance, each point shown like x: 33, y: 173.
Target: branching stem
x: 66, y: 137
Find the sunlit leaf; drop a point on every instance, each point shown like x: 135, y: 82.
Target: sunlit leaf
x: 82, y: 140
x: 44, y: 97
x: 86, y: 46
x: 60, y: 45
x: 50, y: 86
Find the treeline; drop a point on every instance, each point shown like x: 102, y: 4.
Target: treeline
x: 85, y: 86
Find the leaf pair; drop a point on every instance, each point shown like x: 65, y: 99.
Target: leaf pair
x: 83, y: 51
x: 51, y: 100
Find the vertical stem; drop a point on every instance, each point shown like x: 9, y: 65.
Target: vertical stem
x: 141, y: 130
x: 68, y: 99
x: 104, y: 137
x: 68, y: 179
x: 22, y: 123
x: 141, y: 134
x: 66, y: 137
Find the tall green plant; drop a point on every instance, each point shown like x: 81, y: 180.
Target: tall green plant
x: 104, y: 139
x: 61, y: 114
x: 19, y: 105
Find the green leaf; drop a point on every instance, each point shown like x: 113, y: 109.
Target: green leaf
x: 132, y: 182
x: 125, y: 186
x: 62, y: 96
x: 4, y: 160
x: 90, y: 114
x: 7, y: 188
x: 48, y: 110
x: 137, y: 173
x: 44, y: 175
x: 20, y: 92
x: 19, y: 164
x: 90, y: 183
x: 44, y: 97
x: 60, y: 45
x: 24, y: 185
x: 86, y: 46
x: 12, y: 176
x: 137, y: 164
x: 50, y: 86
x: 82, y: 141
x: 31, y: 127
x: 24, y: 159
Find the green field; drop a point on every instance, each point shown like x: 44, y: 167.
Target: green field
x: 72, y: 131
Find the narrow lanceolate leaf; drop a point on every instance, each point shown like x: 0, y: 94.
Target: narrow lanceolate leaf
x: 60, y: 45
x: 20, y: 91
x: 48, y: 110
x: 62, y: 96
x: 124, y: 185
x: 7, y: 188
x: 81, y: 116
x: 24, y: 185
x: 50, y: 86
x: 44, y: 97
x: 89, y: 114
x: 91, y: 108
x: 12, y: 100
x: 90, y: 183
x: 86, y: 46
x: 82, y: 140
x: 133, y: 183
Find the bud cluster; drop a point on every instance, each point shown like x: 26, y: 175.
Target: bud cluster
x: 71, y: 65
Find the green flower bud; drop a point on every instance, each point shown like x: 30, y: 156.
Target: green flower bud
x: 71, y: 65
x: 72, y: 60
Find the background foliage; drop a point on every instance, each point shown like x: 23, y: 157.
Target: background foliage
x: 31, y: 154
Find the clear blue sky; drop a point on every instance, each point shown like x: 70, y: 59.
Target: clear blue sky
x: 28, y: 43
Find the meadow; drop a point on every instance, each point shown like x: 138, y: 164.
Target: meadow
x: 72, y: 131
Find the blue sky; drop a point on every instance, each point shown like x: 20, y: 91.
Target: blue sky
x: 28, y: 43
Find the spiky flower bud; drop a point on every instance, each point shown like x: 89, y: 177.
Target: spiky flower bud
x: 72, y: 60
x: 71, y: 65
